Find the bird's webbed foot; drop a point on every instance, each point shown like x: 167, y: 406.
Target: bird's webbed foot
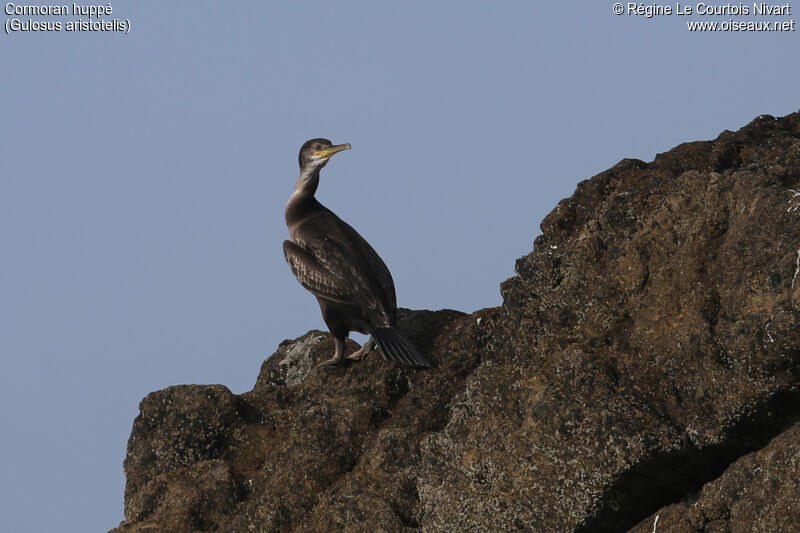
x: 338, y: 355
x: 359, y: 354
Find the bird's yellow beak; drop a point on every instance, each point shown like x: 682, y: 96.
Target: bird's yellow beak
x: 328, y: 152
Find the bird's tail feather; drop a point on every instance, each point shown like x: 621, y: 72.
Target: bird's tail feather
x: 396, y: 347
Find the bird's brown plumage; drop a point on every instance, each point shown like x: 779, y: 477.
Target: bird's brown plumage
x: 329, y: 258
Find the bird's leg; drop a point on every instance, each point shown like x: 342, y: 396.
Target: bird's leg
x: 359, y: 354
x: 338, y: 355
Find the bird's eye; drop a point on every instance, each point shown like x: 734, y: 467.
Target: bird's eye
x: 317, y: 147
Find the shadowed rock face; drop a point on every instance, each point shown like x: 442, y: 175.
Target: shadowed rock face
x: 759, y: 492
x: 647, y: 345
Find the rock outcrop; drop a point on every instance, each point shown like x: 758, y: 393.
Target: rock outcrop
x: 642, y: 373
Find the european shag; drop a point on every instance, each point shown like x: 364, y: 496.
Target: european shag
x: 329, y: 258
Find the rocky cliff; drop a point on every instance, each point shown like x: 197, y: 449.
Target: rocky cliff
x: 643, y: 373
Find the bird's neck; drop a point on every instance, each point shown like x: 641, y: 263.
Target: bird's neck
x: 307, y: 182
x: 302, y: 202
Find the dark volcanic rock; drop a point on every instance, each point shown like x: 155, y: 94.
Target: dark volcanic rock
x: 647, y: 345
x: 759, y: 492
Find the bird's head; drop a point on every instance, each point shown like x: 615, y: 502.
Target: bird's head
x: 315, y: 153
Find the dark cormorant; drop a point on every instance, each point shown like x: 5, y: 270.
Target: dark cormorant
x: 329, y: 258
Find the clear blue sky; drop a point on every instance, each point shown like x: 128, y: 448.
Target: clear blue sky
x: 144, y: 177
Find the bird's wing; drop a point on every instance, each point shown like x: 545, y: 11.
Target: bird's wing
x: 334, y: 262
x: 316, y: 275
x: 372, y: 266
